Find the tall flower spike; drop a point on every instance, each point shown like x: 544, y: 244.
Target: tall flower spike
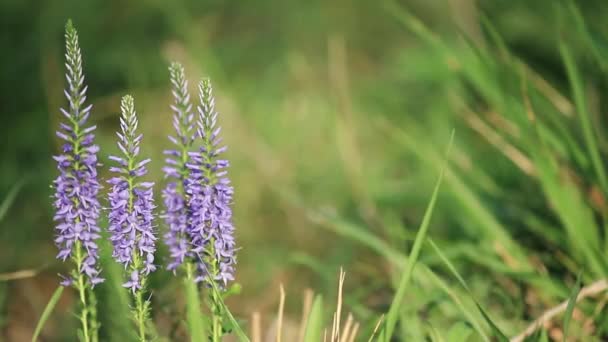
x: 174, y: 195
x: 211, y: 231
x: 76, y: 187
x: 131, y: 203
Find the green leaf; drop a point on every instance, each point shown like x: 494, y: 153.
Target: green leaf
x: 314, y: 322
x: 584, y: 34
x: 571, y: 304
x: 578, y: 93
x: 434, y: 334
x: 47, y: 312
x: 194, y: 315
x: 393, y: 312
x: 459, y: 332
x: 496, y: 332
x: 113, y: 299
x: 10, y: 198
x: 235, y: 324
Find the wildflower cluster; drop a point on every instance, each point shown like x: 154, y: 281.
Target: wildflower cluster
x: 197, y: 198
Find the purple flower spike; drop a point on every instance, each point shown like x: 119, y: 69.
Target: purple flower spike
x: 76, y: 188
x: 131, y: 203
x: 211, y: 231
x: 176, y: 214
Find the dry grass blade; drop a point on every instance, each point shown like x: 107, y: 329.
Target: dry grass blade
x: 256, y: 327
x: 280, y: 316
x: 335, y: 333
x: 353, y: 333
x: 347, y: 327
x: 587, y: 291
x: 18, y: 275
x: 376, y: 328
x: 333, y: 328
x: 516, y: 156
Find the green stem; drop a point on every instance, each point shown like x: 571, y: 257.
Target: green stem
x: 216, y: 329
x: 141, y: 315
x: 92, y: 311
x: 216, y: 307
x: 81, y: 287
x: 141, y: 310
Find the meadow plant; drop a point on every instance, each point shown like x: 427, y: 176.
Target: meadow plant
x: 76, y: 204
x: 177, y: 212
x: 198, y: 197
x: 131, y: 214
x: 211, y: 231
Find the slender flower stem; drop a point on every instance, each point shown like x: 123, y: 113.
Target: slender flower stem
x: 92, y: 311
x: 81, y: 286
x: 214, y: 300
x: 140, y: 309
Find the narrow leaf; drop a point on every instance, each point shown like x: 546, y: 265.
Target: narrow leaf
x: 9, y: 199
x: 496, y: 332
x: 459, y: 332
x: 235, y: 325
x: 314, y: 322
x: 393, y: 313
x: 571, y: 304
x: 194, y: 315
x: 578, y: 93
x: 47, y: 312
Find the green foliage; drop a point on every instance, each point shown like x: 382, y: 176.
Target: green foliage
x: 9, y: 199
x: 197, y: 322
x: 571, y: 304
x: 48, y: 309
x: 393, y: 312
x: 314, y: 321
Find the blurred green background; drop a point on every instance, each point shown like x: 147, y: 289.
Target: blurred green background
x: 337, y: 114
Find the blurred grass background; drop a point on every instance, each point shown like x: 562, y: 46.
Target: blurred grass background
x: 336, y: 114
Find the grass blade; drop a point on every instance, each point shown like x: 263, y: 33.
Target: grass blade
x: 571, y: 304
x: 457, y: 275
x: 47, y: 312
x: 235, y: 325
x: 10, y: 198
x: 496, y: 332
x: 580, y: 103
x: 459, y: 332
x: 393, y: 312
x: 314, y: 322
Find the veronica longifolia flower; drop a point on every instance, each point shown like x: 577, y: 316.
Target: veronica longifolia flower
x: 76, y: 187
x: 131, y: 203
x: 176, y: 213
x: 211, y: 230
